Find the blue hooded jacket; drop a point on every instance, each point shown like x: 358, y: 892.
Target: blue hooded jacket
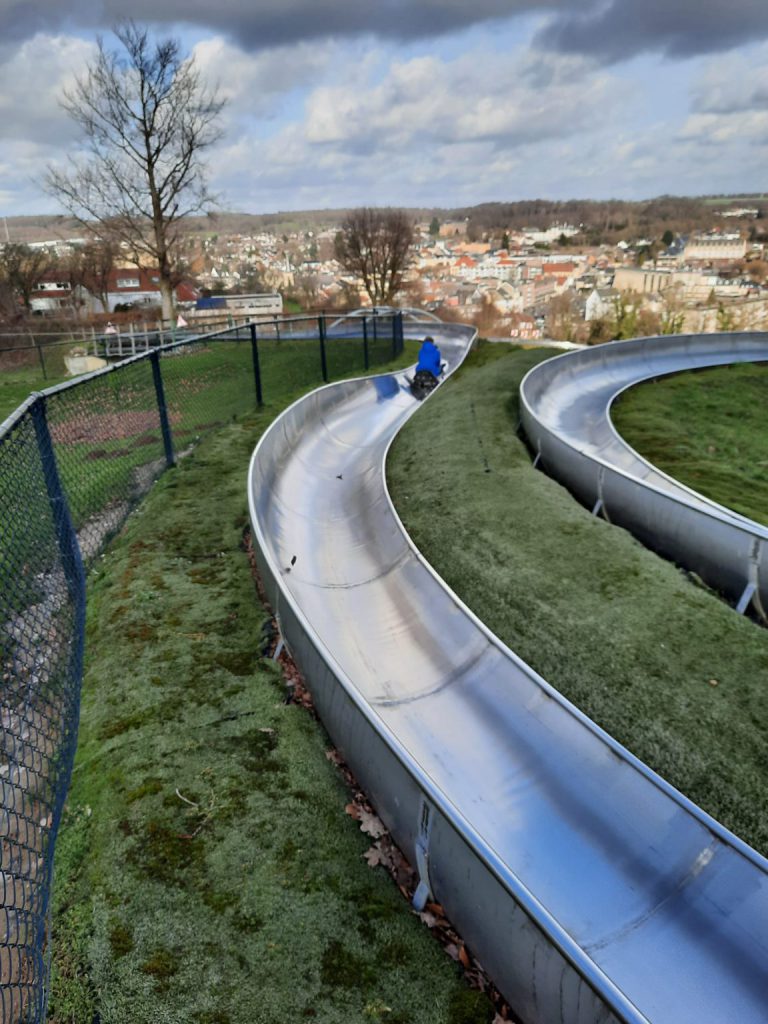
x: 429, y: 357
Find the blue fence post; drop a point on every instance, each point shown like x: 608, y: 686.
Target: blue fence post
x: 162, y: 408
x: 400, y: 334
x: 375, y: 333
x: 323, y: 363
x: 366, y: 359
x: 66, y: 538
x: 74, y: 575
x: 256, y: 366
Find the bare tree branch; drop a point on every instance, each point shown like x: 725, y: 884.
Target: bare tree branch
x: 376, y: 245
x: 147, y: 119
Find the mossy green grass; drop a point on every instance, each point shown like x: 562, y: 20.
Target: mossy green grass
x: 666, y: 667
x: 707, y: 429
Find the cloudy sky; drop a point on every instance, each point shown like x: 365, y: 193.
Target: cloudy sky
x: 338, y: 103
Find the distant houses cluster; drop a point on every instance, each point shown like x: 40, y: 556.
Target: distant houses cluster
x: 517, y: 284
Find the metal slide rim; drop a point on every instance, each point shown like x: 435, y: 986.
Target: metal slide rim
x: 719, y: 512
x: 580, y: 960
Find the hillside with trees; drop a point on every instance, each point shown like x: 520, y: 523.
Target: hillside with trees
x: 603, y: 221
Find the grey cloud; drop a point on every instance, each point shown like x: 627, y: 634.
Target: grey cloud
x: 737, y: 100
x: 620, y: 29
x: 266, y: 23
x: 607, y: 30
x: 21, y: 20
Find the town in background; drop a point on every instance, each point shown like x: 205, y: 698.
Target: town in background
x: 581, y: 271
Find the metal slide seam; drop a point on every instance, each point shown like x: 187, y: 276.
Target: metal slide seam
x: 499, y: 847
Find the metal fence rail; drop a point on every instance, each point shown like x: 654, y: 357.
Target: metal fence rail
x: 74, y: 461
x: 48, y: 349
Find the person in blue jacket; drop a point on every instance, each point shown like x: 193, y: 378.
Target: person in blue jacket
x: 429, y: 358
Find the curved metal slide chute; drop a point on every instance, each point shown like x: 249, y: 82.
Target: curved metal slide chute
x: 565, y: 411
x: 587, y: 886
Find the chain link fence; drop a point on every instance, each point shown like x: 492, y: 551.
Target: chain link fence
x: 47, y: 350
x: 74, y: 461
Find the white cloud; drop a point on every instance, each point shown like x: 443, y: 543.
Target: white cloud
x: 32, y: 82
x: 426, y: 131
x: 476, y: 97
x: 734, y: 130
x: 728, y: 120
x: 253, y: 84
x: 21, y: 165
x: 732, y: 84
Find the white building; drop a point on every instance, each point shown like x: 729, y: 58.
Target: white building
x: 715, y: 246
x: 533, y: 235
x: 600, y: 302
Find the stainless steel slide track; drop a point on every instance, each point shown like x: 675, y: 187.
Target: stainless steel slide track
x: 565, y: 411
x: 588, y: 887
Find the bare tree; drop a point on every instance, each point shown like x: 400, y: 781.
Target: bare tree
x: 99, y: 259
x: 672, y: 319
x: 72, y: 270
x: 562, y: 317
x: 376, y: 245
x: 147, y: 118
x: 306, y: 287
x: 486, y: 319
x: 89, y: 267
x: 9, y: 304
x: 21, y: 268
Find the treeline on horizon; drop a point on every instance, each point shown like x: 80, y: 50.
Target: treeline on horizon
x: 603, y: 221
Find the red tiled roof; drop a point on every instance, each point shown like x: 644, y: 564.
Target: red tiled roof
x: 149, y: 281
x: 558, y: 268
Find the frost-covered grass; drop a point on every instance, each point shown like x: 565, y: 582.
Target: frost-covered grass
x: 667, y: 668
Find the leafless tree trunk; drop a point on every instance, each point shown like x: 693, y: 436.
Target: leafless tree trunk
x: 147, y: 118
x: 9, y: 306
x: 562, y: 318
x: 376, y: 245
x: 89, y: 268
x: 99, y: 261
x: 72, y: 269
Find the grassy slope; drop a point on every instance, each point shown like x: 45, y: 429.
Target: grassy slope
x: 17, y: 385
x: 254, y: 905
x: 617, y: 630
x: 708, y: 430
